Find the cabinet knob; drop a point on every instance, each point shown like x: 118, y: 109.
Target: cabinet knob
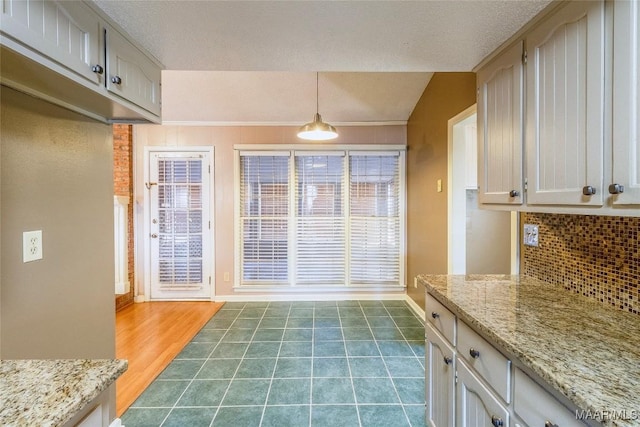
x: 154, y: 236
x: 474, y: 353
x: 434, y: 315
x: 97, y: 69
x: 116, y: 80
x: 616, y: 189
x: 497, y: 421
x: 550, y: 424
x: 588, y: 190
x: 448, y: 360
x: 514, y: 193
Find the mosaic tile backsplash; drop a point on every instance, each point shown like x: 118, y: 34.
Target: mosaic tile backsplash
x: 594, y: 256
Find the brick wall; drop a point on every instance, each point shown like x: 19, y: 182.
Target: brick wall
x: 123, y: 186
x: 594, y: 256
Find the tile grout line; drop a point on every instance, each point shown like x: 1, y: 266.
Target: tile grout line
x: 346, y: 353
x: 275, y: 365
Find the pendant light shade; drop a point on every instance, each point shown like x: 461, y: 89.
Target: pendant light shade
x: 317, y: 130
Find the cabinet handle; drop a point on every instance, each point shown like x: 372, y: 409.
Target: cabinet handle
x: 616, y: 189
x: 497, y: 421
x: 448, y: 360
x: 116, y: 80
x: 550, y: 424
x: 97, y: 69
x: 474, y: 353
x: 434, y: 315
x: 588, y: 190
x: 514, y: 193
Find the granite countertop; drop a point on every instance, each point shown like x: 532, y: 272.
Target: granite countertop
x: 51, y: 392
x: 585, y: 351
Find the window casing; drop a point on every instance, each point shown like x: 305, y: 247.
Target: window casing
x: 321, y: 218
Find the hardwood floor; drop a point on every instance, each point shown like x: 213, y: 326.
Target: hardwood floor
x: 150, y: 335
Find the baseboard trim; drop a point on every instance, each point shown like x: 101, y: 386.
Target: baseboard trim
x: 419, y: 311
x: 312, y: 297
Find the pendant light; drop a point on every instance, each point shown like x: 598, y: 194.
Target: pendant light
x: 317, y: 130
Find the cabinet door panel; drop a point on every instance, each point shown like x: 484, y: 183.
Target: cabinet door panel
x: 131, y: 75
x: 565, y: 106
x: 626, y: 101
x: 66, y: 32
x: 477, y: 407
x: 500, y: 132
x: 439, y: 381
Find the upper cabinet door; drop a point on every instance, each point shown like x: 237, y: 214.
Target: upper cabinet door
x: 132, y: 75
x: 565, y: 106
x: 67, y: 32
x: 626, y: 103
x: 500, y: 131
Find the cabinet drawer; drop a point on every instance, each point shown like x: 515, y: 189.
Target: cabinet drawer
x: 492, y: 366
x: 441, y: 318
x: 536, y: 406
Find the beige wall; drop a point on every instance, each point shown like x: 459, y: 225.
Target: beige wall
x: 56, y: 176
x: 223, y: 139
x: 446, y: 95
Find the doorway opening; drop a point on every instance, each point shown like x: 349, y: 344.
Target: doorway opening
x: 480, y: 241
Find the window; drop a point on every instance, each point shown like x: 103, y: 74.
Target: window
x: 320, y: 218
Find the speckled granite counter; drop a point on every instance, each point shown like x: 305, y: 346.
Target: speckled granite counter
x: 585, y: 351
x: 51, y: 392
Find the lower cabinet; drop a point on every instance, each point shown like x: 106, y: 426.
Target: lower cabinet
x: 472, y: 384
x: 477, y: 406
x: 440, y: 384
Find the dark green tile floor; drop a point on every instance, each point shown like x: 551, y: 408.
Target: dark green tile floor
x: 328, y: 363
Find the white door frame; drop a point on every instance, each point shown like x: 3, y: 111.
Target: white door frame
x: 456, y: 244
x: 147, y: 214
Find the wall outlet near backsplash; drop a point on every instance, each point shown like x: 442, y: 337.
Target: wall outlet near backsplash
x: 530, y: 236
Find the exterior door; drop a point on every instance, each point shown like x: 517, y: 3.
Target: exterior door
x: 180, y: 228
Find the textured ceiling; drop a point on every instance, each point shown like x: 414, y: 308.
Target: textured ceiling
x: 309, y: 36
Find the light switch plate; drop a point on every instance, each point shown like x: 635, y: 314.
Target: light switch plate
x: 530, y: 235
x: 31, y: 245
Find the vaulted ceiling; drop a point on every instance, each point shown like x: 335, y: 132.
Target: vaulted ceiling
x: 255, y: 61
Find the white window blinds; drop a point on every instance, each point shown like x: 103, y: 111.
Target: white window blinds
x: 264, y: 218
x: 374, y: 189
x: 321, y: 219
x: 320, y: 234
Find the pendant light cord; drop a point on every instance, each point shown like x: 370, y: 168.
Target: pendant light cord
x: 317, y: 96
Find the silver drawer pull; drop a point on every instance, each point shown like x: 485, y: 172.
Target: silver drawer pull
x: 497, y: 421
x: 588, y: 190
x: 434, y: 315
x: 514, y: 193
x: 97, y: 69
x: 550, y: 424
x: 616, y: 189
x: 474, y: 353
x: 116, y: 80
x: 448, y: 360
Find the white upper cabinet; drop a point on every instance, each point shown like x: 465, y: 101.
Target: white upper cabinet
x: 626, y: 104
x: 131, y: 75
x: 500, y: 129
x: 565, y: 106
x: 67, y: 32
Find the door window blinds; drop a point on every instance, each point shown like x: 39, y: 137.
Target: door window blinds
x: 317, y: 219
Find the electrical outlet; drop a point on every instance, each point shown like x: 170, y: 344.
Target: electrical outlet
x: 31, y: 245
x: 530, y: 235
